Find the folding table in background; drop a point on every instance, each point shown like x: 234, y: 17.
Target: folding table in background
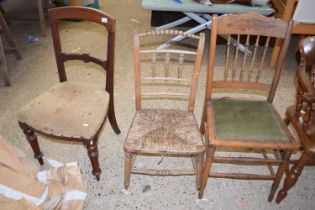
x: 199, y: 12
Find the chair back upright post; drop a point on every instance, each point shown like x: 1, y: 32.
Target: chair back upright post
x: 167, y: 56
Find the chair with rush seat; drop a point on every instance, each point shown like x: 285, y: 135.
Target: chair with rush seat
x: 240, y: 123
x: 169, y: 74
x: 74, y: 111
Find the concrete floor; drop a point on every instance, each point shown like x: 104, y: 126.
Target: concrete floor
x: 37, y: 71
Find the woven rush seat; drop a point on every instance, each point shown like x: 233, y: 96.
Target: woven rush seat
x: 159, y: 130
x: 83, y: 106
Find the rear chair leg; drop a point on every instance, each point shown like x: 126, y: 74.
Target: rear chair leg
x: 199, y: 165
x: 206, y: 170
x: 112, y: 117
x: 92, y: 150
x: 32, y: 140
x: 128, y: 166
x: 279, y: 175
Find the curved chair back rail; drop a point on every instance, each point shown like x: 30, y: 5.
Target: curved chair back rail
x: 87, y: 14
x: 306, y: 69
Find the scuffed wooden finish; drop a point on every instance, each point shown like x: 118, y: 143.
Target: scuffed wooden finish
x: 302, y: 114
x: 244, y: 71
x: 74, y: 111
x: 165, y: 132
x: 254, y: 25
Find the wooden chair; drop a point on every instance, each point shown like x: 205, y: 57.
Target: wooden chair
x: 41, y: 14
x: 157, y: 131
x: 302, y: 115
x: 13, y: 49
x: 74, y: 111
x: 241, y: 121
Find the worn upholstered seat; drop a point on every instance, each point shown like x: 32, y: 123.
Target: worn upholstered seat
x: 61, y: 106
x: 161, y: 130
x: 157, y: 130
x: 74, y: 111
x: 248, y: 120
x: 239, y: 118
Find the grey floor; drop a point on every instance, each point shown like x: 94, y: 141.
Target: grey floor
x: 37, y: 71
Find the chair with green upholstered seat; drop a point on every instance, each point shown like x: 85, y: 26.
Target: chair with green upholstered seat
x: 239, y: 119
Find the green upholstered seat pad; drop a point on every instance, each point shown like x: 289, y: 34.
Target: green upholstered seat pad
x: 246, y: 120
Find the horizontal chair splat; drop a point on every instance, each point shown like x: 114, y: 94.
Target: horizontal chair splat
x: 166, y: 79
x: 84, y: 57
x: 166, y: 94
x: 186, y: 52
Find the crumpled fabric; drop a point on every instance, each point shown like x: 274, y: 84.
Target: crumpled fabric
x: 23, y: 186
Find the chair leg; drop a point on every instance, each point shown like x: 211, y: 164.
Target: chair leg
x: 203, y: 119
x: 112, y: 117
x: 13, y: 47
x: 4, y: 66
x: 206, y: 170
x: 32, y: 140
x: 128, y: 166
x: 92, y: 150
x: 292, y: 177
x: 286, y: 121
x: 199, y: 159
x: 280, y: 172
x: 41, y: 15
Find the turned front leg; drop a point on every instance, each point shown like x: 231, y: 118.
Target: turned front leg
x: 92, y: 150
x: 32, y: 140
x: 293, y: 176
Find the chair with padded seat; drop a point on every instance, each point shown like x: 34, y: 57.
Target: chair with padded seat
x: 74, y: 111
x: 302, y: 115
x: 241, y: 125
x: 168, y: 75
